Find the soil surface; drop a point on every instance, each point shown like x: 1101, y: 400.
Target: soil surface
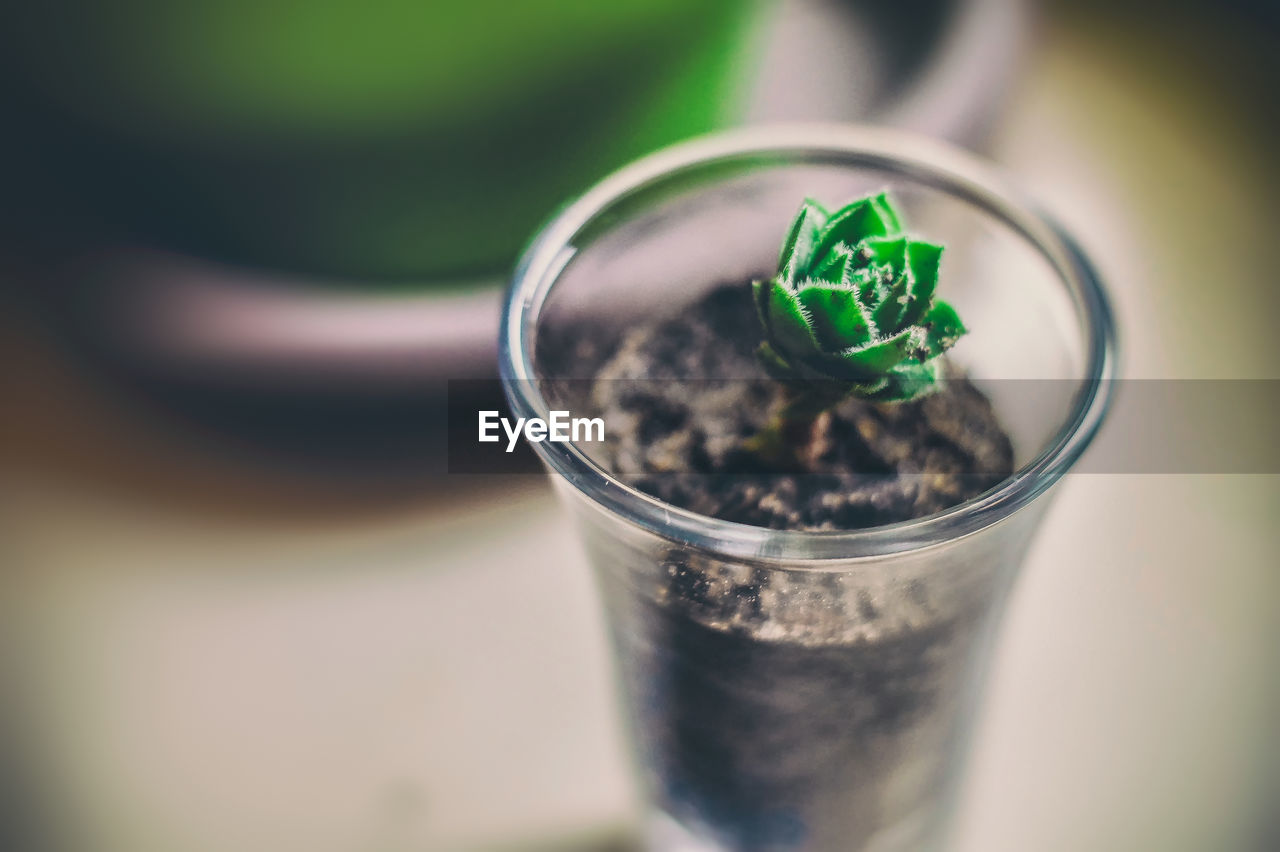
x: 680, y: 396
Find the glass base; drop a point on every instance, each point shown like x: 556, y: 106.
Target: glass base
x: 917, y: 832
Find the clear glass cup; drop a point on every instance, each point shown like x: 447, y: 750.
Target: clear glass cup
x: 793, y: 690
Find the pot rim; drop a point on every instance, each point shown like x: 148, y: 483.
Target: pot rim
x: 945, y: 167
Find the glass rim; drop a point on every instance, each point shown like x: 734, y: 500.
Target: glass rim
x: 948, y: 169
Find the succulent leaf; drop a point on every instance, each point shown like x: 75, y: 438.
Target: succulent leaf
x: 882, y: 251
x: 798, y: 249
x: 774, y: 364
x: 888, y: 215
x: 889, y: 313
x: 760, y: 296
x: 838, y: 266
x: 922, y: 261
x: 943, y: 328
x: 867, y: 217
x: 838, y: 317
x: 853, y: 302
x: 874, y: 359
x: 909, y: 381
x: 788, y: 324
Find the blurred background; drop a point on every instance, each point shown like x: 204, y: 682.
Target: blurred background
x: 243, y: 246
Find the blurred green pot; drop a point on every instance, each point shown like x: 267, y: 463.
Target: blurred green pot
x: 377, y: 139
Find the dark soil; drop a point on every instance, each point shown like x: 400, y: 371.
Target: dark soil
x: 679, y: 397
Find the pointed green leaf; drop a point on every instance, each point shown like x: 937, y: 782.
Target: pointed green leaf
x: 838, y: 318
x: 836, y: 266
x: 774, y: 364
x: 760, y: 297
x: 881, y: 251
x: 922, y: 259
x: 888, y: 215
x: 942, y: 327
x: 789, y: 330
x: 798, y: 249
x: 888, y: 313
x: 851, y: 225
x: 868, y: 389
x: 872, y: 360
x: 884, y: 279
x: 909, y: 381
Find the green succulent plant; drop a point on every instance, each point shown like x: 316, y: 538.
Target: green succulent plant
x: 853, y: 304
x: 851, y: 311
